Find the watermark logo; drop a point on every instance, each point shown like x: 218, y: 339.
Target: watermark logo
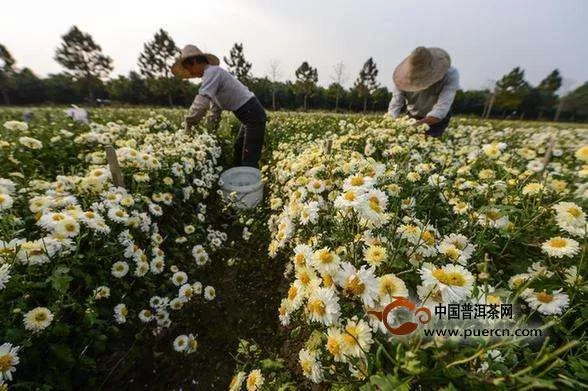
x: 424, y: 316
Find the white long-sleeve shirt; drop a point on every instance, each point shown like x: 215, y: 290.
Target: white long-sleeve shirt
x: 222, y: 89
x: 434, y: 101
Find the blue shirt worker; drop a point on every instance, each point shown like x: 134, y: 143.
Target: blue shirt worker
x: 220, y: 91
x: 425, y: 85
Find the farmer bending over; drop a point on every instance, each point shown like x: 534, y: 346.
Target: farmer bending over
x: 425, y: 84
x: 225, y: 92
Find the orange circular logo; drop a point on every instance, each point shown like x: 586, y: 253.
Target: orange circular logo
x: 406, y: 327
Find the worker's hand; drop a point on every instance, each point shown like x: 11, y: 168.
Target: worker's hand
x: 429, y: 121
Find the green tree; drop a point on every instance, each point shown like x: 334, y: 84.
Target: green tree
x: 132, y: 89
x: 63, y: 88
x: 6, y: 72
x: 306, y: 79
x: 511, y: 89
x: 83, y: 57
x: 336, y: 92
x: 28, y: 88
x: 366, y: 82
x: 155, y: 63
x: 546, y: 90
x: 238, y: 66
x: 576, y: 104
x: 552, y: 82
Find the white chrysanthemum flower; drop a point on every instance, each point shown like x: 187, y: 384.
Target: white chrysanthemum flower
x: 146, y: 316
x: 335, y: 344
x: 284, y: 312
x: 571, y: 218
x: 16, y: 126
x: 493, y: 150
x: 358, y: 182
x: 493, y: 217
x: 350, y: 198
x: 454, y: 282
x: 200, y: 255
x: 8, y: 361
x: 120, y: 313
x: 37, y: 319
x: 325, y: 261
x: 375, y: 255
x: 6, y: 201
x: 209, y: 293
x: 456, y: 247
x: 389, y: 287
x: 255, y: 380
x: 179, y: 278
x: 323, y: 306
x: 357, y: 337
x: 311, y: 365
x: 303, y: 255
x: 559, y: 247
x: 309, y: 212
x: 181, y: 343
x: 545, y: 303
x: 315, y: 186
x: 4, y: 275
x: 30, y: 143
x: 119, y: 269
x: 582, y: 153
x: 118, y: 215
x: 361, y: 283
x: 157, y: 265
x: 237, y: 381
x: 102, y: 292
x: 186, y: 293
x: 533, y: 188
x: 373, y: 206
x: 296, y: 293
x: 518, y: 280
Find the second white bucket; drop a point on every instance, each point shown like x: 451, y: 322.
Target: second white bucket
x: 245, y: 182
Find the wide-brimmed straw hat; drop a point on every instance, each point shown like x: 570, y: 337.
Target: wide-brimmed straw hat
x: 187, y: 52
x: 421, y: 69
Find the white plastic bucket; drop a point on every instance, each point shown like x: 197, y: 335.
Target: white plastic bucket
x: 245, y: 183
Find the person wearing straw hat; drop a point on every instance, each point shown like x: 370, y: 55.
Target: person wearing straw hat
x: 223, y: 91
x: 425, y: 84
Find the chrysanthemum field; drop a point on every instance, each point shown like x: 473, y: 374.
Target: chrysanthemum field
x: 163, y: 284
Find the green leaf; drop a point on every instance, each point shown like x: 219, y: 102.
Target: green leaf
x: 383, y: 382
x: 60, y: 279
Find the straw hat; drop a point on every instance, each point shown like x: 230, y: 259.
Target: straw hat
x: 187, y: 52
x: 421, y: 69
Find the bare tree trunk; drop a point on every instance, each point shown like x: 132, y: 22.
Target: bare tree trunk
x: 304, y: 105
x: 364, y: 103
x: 558, y: 110
x: 337, y: 102
x: 490, y: 104
x: 274, y: 99
x: 169, y: 99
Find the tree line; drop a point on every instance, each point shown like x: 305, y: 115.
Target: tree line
x: 87, y: 68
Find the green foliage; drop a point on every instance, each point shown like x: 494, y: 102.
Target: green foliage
x: 306, y: 79
x: 155, y: 64
x: 366, y: 83
x: 238, y: 66
x: 83, y: 57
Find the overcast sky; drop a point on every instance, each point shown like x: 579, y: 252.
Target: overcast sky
x: 484, y: 38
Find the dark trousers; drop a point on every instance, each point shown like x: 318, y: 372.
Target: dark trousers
x: 438, y: 129
x: 249, y: 141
